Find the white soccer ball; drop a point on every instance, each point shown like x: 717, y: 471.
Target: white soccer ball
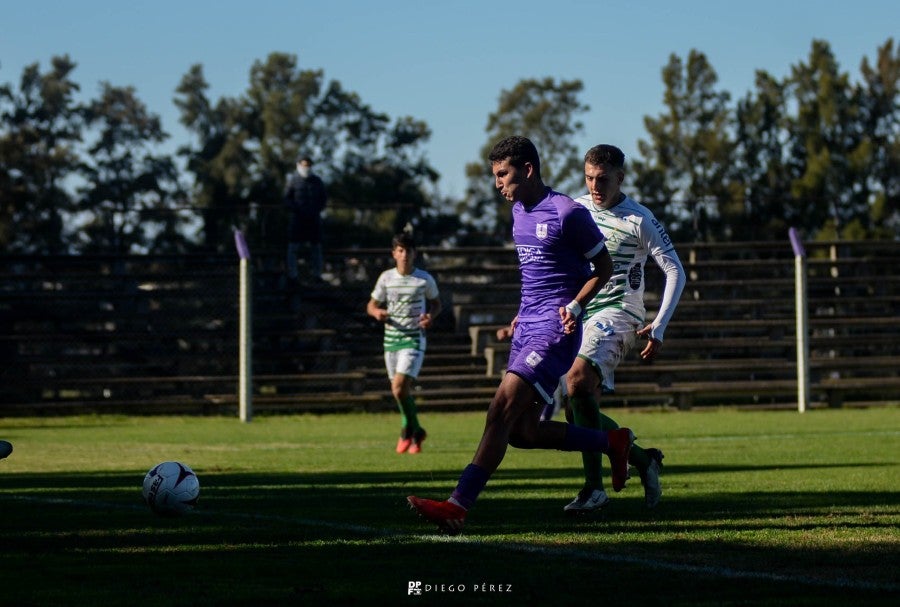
x: 171, y: 489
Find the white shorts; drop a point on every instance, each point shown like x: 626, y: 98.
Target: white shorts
x: 609, y: 335
x: 408, y: 362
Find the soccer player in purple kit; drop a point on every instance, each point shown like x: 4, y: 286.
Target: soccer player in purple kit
x: 563, y: 263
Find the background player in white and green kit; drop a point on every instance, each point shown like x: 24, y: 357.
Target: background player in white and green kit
x: 406, y: 300
x: 615, y: 317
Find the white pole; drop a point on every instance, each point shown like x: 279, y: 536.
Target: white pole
x: 245, y: 337
x: 800, y: 305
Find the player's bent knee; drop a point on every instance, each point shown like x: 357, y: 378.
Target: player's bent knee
x: 503, y: 411
x: 582, y: 379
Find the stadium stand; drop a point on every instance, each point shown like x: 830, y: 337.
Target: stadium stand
x: 156, y: 334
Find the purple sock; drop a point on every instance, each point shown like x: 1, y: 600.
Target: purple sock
x: 471, y: 482
x: 585, y: 439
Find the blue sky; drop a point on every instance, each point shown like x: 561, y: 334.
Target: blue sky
x: 442, y: 62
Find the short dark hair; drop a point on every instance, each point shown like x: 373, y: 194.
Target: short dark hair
x: 306, y: 159
x: 518, y: 150
x: 605, y: 154
x: 403, y: 239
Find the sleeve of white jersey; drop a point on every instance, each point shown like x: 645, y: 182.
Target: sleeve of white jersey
x: 663, y: 252
x: 431, y: 289
x: 379, y: 292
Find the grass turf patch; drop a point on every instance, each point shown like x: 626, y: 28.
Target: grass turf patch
x: 766, y: 507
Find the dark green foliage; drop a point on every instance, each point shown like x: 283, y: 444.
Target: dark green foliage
x: 817, y: 149
x: 814, y: 150
x: 246, y: 147
x: 687, y: 162
x: 41, y: 128
x: 547, y: 112
x: 131, y: 191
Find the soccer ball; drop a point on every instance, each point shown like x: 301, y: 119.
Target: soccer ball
x: 171, y: 489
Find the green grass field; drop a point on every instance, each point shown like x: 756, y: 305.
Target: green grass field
x: 758, y: 508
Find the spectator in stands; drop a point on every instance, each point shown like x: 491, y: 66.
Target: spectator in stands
x: 563, y: 262
x: 616, y: 316
x: 406, y: 300
x: 305, y: 198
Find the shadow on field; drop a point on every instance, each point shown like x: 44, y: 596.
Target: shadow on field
x: 509, y: 504
x: 349, y: 538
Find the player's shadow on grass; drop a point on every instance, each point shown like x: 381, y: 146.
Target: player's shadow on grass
x: 307, y: 516
x: 514, y: 500
x: 535, y: 476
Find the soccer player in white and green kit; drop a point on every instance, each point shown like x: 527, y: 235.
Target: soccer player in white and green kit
x: 406, y: 300
x: 615, y: 317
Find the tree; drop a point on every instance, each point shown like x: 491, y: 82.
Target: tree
x: 689, y: 156
x: 217, y: 159
x: 820, y: 153
x: 828, y: 150
x: 277, y: 113
x: 245, y: 147
x: 41, y: 128
x: 880, y: 117
x: 384, y: 173
x: 762, y: 177
x: 131, y: 191
x: 545, y: 111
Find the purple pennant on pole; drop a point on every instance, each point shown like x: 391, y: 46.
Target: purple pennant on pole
x: 799, y: 251
x: 241, y: 244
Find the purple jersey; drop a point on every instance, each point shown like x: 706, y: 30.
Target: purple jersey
x: 554, y: 239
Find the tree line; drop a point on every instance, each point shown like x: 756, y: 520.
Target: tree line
x: 816, y: 149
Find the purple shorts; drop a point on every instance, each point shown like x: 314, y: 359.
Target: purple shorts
x: 541, y: 353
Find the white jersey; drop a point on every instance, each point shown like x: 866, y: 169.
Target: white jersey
x: 633, y: 234
x: 407, y: 299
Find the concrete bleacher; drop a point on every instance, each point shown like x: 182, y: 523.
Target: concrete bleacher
x: 159, y: 333
x: 733, y: 338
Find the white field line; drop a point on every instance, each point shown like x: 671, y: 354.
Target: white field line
x: 558, y: 552
x: 780, y: 437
